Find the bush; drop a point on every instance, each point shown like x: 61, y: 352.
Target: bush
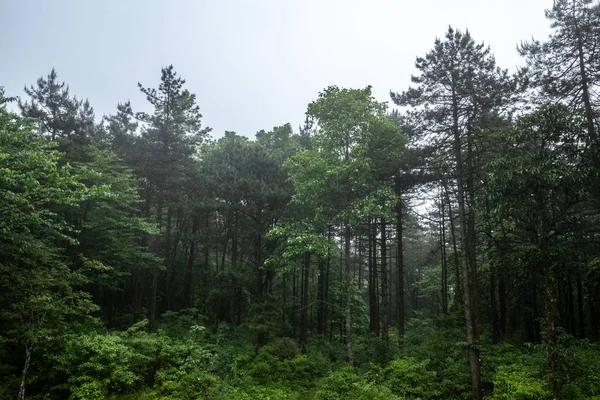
x: 408, y: 377
x: 514, y: 382
x: 99, y: 365
x: 285, y: 348
x: 185, y: 385
x: 345, y: 384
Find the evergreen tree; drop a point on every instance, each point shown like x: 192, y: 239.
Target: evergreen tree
x: 565, y: 67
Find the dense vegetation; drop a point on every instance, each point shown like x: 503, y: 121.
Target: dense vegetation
x: 444, y: 250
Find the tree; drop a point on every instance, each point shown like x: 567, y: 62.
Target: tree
x: 39, y: 298
x: 333, y: 179
x: 537, y: 182
x: 62, y: 118
x: 459, y: 84
x: 565, y: 67
x: 164, y: 157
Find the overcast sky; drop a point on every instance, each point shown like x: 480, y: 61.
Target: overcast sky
x: 252, y: 64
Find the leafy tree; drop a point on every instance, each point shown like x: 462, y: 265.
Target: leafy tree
x: 332, y: 180
x: 40, y: 302
x: 536, y: 185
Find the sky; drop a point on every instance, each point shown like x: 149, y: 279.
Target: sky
x: 252, y: 64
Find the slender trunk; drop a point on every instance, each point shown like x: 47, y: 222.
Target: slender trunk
x: 384, y: 286
x: 472, y: 235
x: 326, y: 289
x: 494, y: 307
x: 549, y: 334
x: 304, y: 303
x: 443, y: 258
x: 459, y: 295
x: 504, y: 320
x: 376, y: 313
x: 28, y: 348
x: 593, y: 318
x: 585, y: 91
x: 187, y: 281
x: 321, y: 298
x: 153, y: 300
x: 170, y: 273
x: 470, y: 317
x: 373, y: 323
x: 571, y: 308
x: 580, y: 308
x: 399, y: 262
x: 360, y: 264
x: 348, y: 293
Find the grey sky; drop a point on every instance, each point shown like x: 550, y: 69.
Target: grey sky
x: 252, y: 64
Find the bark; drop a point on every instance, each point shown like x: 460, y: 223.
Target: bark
x: 459, y: 293
x: 399, y: 262
x: 468, y: 291
x: 585, y: 91
x: 28, y: 349
x: 348, y: 294
x: 304, y: 303
x: 187, y: 281
x: 385, y: 306
x: 494, y: 307
x: 443, y: 258
x: 321, y: 298
x: 580, y: 313
x: 549, y: 334
x: 504, y: 320
x: 153, y: 300
x: 571, y: 308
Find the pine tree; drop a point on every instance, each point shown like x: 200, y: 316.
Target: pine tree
x: 459, y: 84
x: 565, y: 67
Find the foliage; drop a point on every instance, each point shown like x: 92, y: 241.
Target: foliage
x: 515, y: 382
x: 345, y: 383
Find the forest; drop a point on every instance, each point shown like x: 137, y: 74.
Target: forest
x: 443, y: 246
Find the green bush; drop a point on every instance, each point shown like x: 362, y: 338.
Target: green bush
x: 285, y: 348
x: 99, y: 365
x: 185, y: 385
x: 345, y: 384
x: 410, y: 378
x: 578, y: 368
x: 515, y: 382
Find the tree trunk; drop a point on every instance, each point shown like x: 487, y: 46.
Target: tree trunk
x: 348, y: 294
x: 504, y: 320
x: 187, y: 281
x: 459, y: 296
x: 385, y: 312
x: 494, y: 307
x: 580, y: 308
x: 549, y: 334
x: 465, y: 246
x: 443, y: 263
x: 399, y: 262
x: 28, y: 348
x: 585, y: 91
x: 373, y: 282
x: 321, y: 298
x: 153, y: 300
x: 304, y: 303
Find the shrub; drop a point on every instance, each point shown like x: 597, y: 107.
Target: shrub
x: 514, y: 382
x: 345, y: 384
x: 99, y: 365
x: 285, y: 348
x: 410, y: 378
